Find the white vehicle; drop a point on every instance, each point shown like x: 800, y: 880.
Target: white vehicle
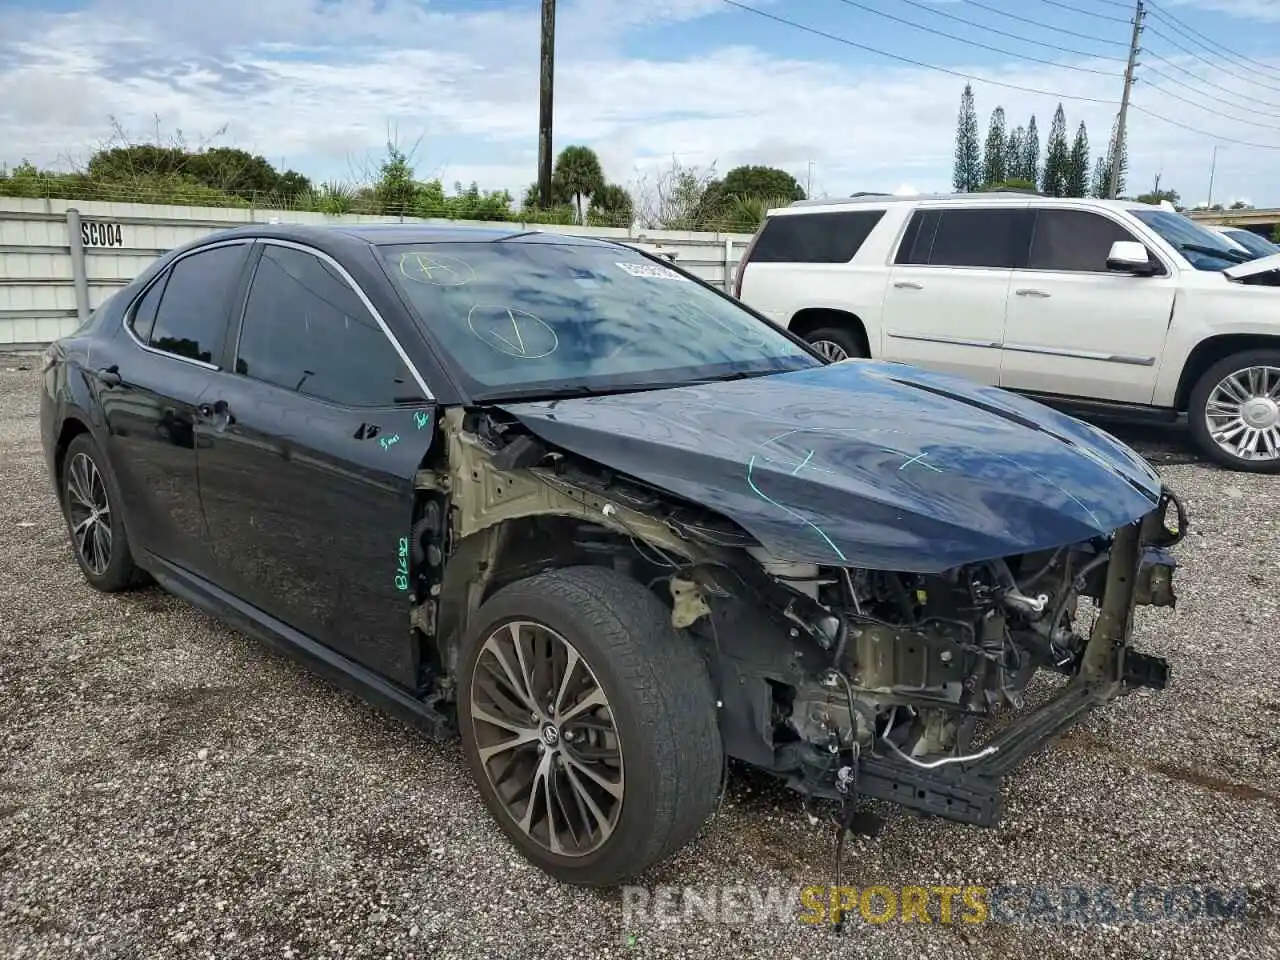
x: 1251, y: 242
x: 1102, y: 305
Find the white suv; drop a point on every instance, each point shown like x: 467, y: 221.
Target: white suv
x: 1095, y: 304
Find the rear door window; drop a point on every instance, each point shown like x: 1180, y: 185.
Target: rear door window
x: 814, y: 237
x: 1074, y: 240
x: 191, y: 319
x: 960, y: 237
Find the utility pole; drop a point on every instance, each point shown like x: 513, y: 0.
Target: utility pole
x: 1118, y: 148
x: 546, y: 102
x: 808, y: 183
x: 1213, y: 167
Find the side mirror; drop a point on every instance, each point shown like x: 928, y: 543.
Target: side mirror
x: 1129, y: 256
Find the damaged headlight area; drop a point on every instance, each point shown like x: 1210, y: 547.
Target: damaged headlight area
x: 851, y: 681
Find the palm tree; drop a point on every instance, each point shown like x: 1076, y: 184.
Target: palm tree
x: 577, y: 175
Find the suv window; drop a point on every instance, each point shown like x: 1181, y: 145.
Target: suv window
x: 1074, y: 240
x: 966, y: 238
x: 814, y: 237
x: 191, y: 319
x: 306, y: 330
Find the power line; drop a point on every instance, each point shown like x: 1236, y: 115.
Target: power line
x: 1203, y: 133
x: 909, y: 61
x: 1209, y: 83
x: 995, y: 83
x: 1002, y: 33
x: 1089, y: 13
x: 1200, y: 106
x: 1036, y: 23
x: 1193, y: 34
x: 1217, y: 66
x: 974, y: 43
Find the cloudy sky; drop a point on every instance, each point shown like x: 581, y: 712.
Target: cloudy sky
x: 318, y: 84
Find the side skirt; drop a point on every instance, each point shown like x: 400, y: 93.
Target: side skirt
x: 348, y: 674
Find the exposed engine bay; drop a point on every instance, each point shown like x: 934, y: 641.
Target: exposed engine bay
x: 842, y: 680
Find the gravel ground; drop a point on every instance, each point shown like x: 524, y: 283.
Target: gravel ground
x: 171, y: 789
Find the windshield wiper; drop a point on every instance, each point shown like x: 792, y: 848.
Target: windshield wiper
x: 1215, y: 252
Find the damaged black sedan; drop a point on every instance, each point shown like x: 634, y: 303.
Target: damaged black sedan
x: 604, y: 523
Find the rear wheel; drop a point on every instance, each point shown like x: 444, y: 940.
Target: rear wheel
x: 91, y: 506
x: 589, y: 724
x: 838, y: 343
x: 1234, y: 411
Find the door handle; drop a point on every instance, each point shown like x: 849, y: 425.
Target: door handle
x: 1028, y: 292
x: 908, y: 285
x: 110, y: 376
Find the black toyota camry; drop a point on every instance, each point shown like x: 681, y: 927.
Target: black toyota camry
x: 603, y: 522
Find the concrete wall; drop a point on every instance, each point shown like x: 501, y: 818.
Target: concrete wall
x: 38, y: 282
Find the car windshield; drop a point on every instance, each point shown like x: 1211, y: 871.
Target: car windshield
x: 534, y: 316
x: 1202, y: 248
x: 1258, y: 246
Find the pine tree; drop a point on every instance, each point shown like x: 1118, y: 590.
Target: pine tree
x: 1057, y: 157
x: 1078, y: 167
x: 967, y: 173
x: 1102, y: 171
x: 1014, y: 155
x: 1031, y: 153
x: 994, y: 169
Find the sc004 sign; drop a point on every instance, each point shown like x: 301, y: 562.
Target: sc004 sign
x: 94, y: 233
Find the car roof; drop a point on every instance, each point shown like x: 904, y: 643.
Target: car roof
x: 389, y: 234
x: 989, y: 198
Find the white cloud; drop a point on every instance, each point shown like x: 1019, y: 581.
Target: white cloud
x: 319, y: 87
x: 1243, y: 9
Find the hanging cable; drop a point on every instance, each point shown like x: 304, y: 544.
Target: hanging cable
x: 1216, y: 66
x: 975, y: 43
x: 1157, y: 10
x: 1208, y: 83
x: 1055, y: 28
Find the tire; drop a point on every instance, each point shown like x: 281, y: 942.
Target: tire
x: 842, y: 339
x: 663, y: 714
x: 85, y: 470
x: 1264, y: 411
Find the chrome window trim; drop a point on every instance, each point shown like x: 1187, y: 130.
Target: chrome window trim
x: 350, y: 282
x: 127, y: 318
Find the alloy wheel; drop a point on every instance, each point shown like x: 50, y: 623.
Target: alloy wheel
x: 1242, y: 413
x: 831, y: 350
x: 89, y: 511
x: 546, y: 738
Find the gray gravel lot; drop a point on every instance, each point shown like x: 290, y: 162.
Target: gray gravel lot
x: 171, y: 789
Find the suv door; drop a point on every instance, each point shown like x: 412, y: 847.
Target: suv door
x: 308, y: 473
x: 948, y: 287
x: 166, y: 358
x: 1072, y: 327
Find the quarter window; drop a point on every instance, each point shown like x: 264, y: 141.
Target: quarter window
x: 814, y: 237
x: 191, y: 318
x: 307, y: 331
x: 1075, y: 240
x: 966, y: 238
x: 144, y: 314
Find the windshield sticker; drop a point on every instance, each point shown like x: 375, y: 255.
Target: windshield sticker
x: 650, y: 271
x: 517, y: 333
x: 437, y: 269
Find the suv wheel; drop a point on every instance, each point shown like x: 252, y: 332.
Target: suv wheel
x: 588, y: 723
x: 91, y: 506
x: 837, y: 343
x: 1234, y: 411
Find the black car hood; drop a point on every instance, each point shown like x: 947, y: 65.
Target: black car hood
x: 865, y: 463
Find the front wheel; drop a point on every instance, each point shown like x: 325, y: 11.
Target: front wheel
x: 1234, y: 411
x: 589, y: 724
